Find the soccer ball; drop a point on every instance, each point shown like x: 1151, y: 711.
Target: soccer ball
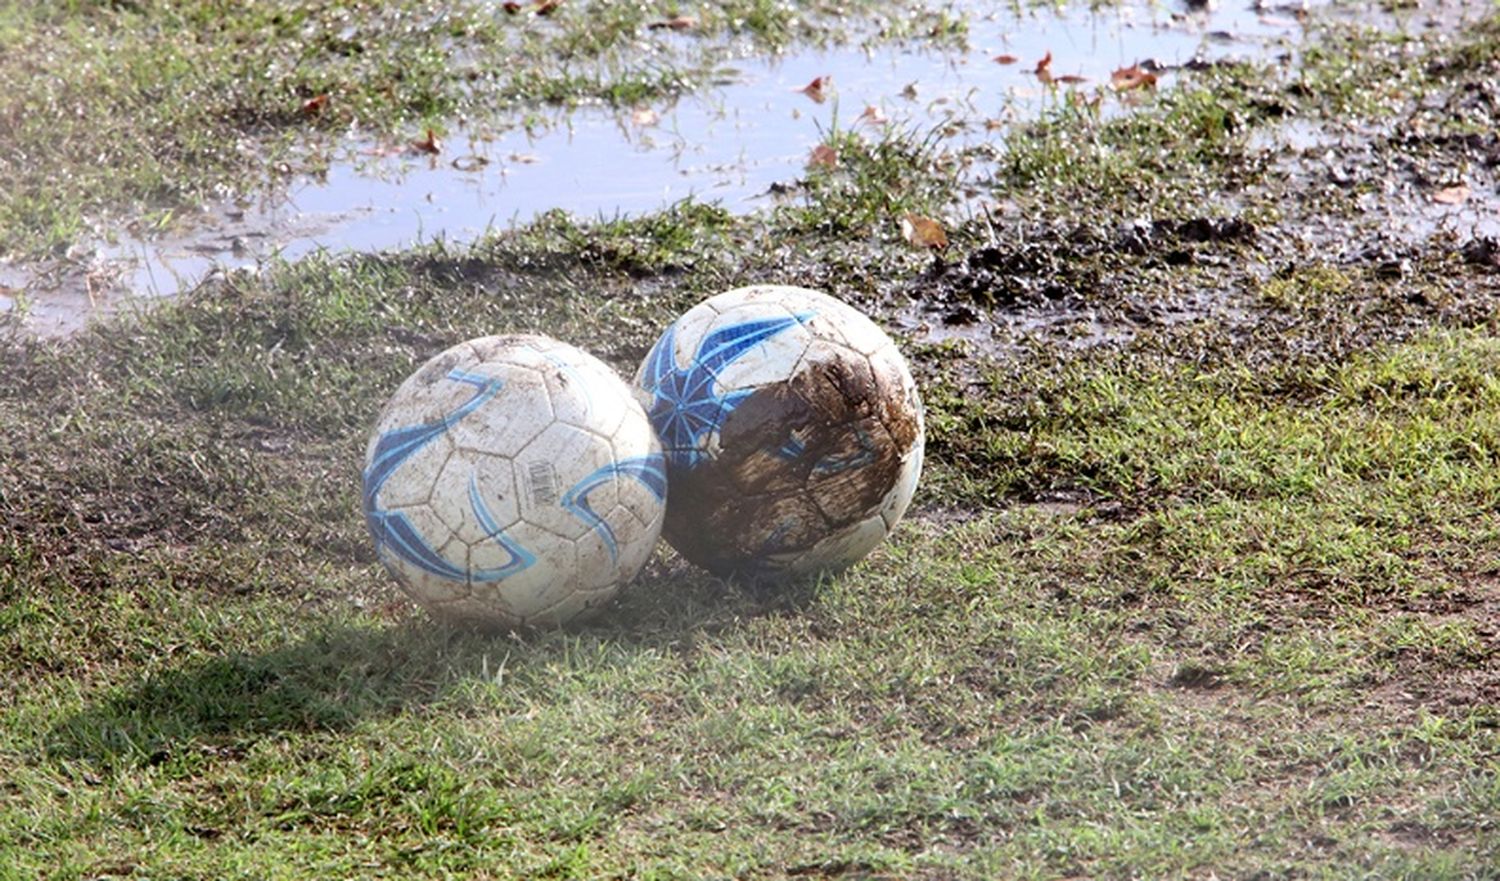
x: 792, y: 431
x: 513, y: 481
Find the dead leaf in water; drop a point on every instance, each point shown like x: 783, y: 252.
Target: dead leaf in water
x: 873, y: 116
x: 1454, y: 195
x: 547, y: 7
x: 817, y: 90
x: 1043, y: 69
x: 429, y: 145
x: 923, y: 232
x: 676, y: 23
x: 511, y: 7
x: 314, y: 106
x: 823, y: 156
x: 1070, y: 79
x: 1126, y: 78
x: 1005, y: 59
x: 525, y: 158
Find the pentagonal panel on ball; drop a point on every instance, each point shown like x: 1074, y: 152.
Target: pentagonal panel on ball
x: 477, y: 495
x: 551, y: 574
x: 759, y: 343
x: 403, y: 464
x: 586, y: 393
x: 842, y: 548
x: 518, y: 412
x: 417, y: 543
x: 428, y: 587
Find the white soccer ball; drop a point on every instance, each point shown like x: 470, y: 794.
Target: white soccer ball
x: 513, y: 481
x: 792, y: 430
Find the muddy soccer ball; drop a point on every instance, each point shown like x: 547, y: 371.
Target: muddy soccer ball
x: 792, y: 431
x: 513, y: 481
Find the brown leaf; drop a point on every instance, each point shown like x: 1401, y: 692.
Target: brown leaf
x: 1070, y: 79
x: 644, y: 116
x: 314, y: 106
x: 1454, y: 195
x: 511, y: 7
x: 1126, y: 78
x: 1043, y: 69
x: 873, y: 116
x: 547, y: 7
x: 677, y: 23
x: 429, y: 145
x: 923, y: 232
x: 817, y: 90
x: 1005, y: 59
x: 823, y: 156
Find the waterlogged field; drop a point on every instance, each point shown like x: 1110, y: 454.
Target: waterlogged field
x: 1202, y: 579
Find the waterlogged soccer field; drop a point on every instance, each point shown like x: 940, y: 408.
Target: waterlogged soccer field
x: 1202, y: 579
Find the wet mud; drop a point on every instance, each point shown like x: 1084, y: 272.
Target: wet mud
x: 797, y: 462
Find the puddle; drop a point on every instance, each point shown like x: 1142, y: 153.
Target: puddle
x: 728, y: 145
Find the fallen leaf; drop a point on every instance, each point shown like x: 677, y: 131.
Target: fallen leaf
x: 314, y: 106
x: 1005, y: 59
x: 1043, y: 68
x: 909, y: 92
x: 993, y: 124
x: 1070, y: 79
x: 511, y: 7
x: 1454, y: 195
x: 429, y: 145
x: 923, y: 232
x: 676, y: 23
x: 873, y: 116
x: 547, y: 7
x: 525, y: 158
x: 823, y: 156
x: 1132, y: 77
x: 644, y: 116
x: 817, y: 89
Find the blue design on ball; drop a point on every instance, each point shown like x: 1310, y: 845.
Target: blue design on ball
x: 393, y: 530
x: 685, y: 408
x: 520, y: 558
x: 650, y: 470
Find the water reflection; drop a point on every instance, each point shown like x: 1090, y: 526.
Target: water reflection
x: 730, y: 145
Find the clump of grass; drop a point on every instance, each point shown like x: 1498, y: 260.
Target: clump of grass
x: 857, y: 183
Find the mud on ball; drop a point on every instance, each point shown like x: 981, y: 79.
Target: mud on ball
x: 792, y: 430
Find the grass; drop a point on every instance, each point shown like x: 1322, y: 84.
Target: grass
x: 1217, y: 596
x: 1261, y: 640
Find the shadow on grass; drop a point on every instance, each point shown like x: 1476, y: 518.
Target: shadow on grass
x: 340, y: 672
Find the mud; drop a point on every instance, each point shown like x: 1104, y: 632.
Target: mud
x: 797, y: 461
